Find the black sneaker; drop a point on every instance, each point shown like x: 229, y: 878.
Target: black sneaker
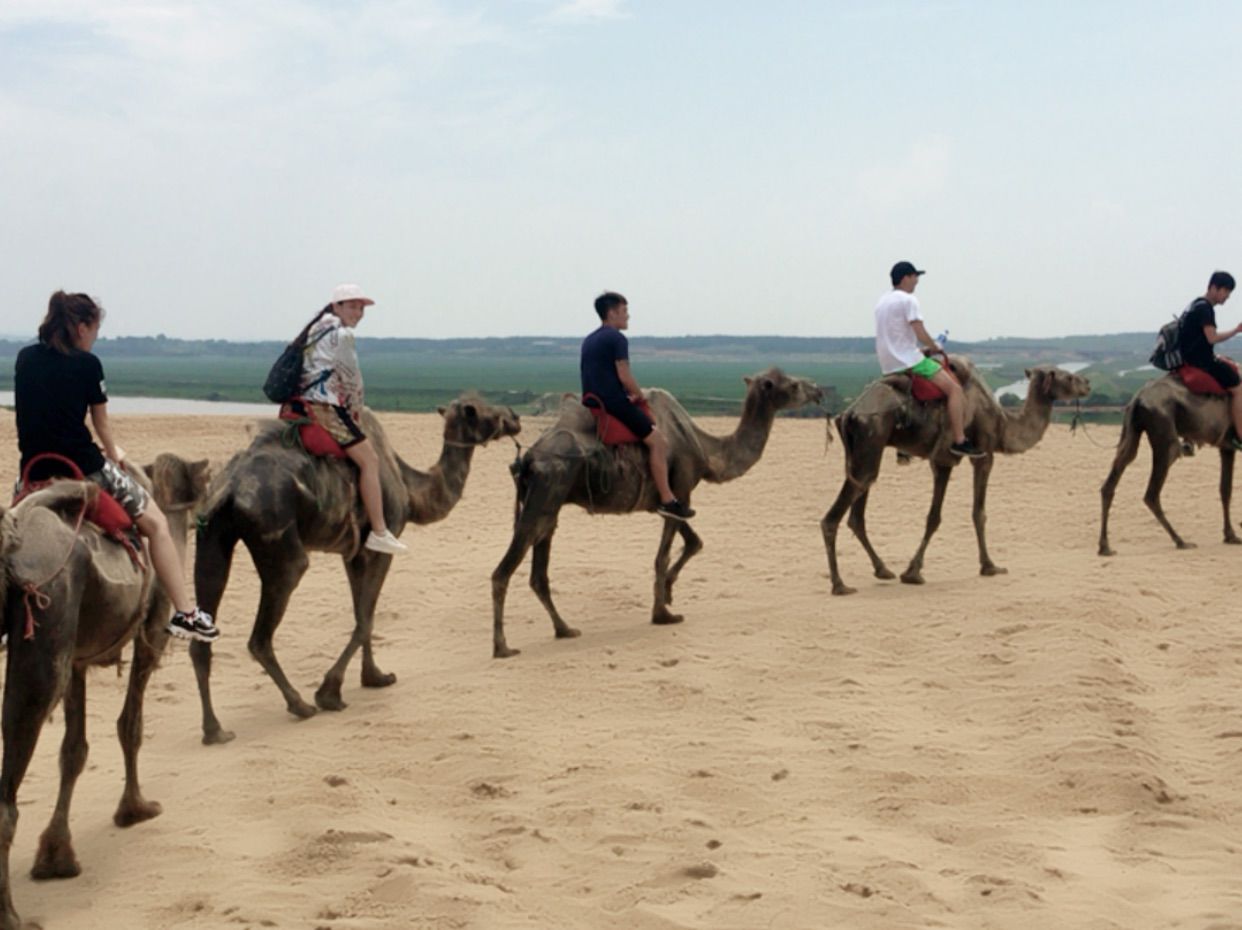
x: 968, y: 449
x: 675, y: 510
x: 195, y: 625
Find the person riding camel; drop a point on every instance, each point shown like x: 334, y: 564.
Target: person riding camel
x: 56, y: 382
x: 608, y: 382
x: 899, y: 340
x: 331, y: 389
x: 1198, y: 339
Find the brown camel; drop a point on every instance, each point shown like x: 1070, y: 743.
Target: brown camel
x: 886, y: 415
x: 1173, y: 418
x: 568, y: 465
x: 81, y: 599
x: 282, y: 503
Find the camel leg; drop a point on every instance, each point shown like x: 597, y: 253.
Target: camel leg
x: 1226, y: 493
x: 540, y: 557
x: 280, y: 566
x: 1161, y: 459
x: 659, y: 611
x: 536, y: 521
x: 55, y: 858
x: 366, y: 574
x: 692, y: 545
x: 1126, y: 452
x: 212, y: 562
x: 30, y: 690
x: 914, y: 572
x: 858, y: 524
x: 978, y: 513
x: 148, y: 646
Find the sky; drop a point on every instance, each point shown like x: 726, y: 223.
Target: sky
x: 212, y: 168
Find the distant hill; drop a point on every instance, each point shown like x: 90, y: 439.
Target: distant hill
x: 704, y: 371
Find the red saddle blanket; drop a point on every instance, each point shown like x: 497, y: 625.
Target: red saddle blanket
x: 106, y: 512
x: 925, y: 390
x: 1198, y: 381
x: 610, y: 430
x: 315, y: 439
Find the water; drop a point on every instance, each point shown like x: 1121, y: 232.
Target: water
x: 175, y: 406
x: 1019, y: 387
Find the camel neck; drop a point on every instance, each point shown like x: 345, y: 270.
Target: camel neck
x: 433, y: 494
x: 731, y: 456
x: 1022, y: 430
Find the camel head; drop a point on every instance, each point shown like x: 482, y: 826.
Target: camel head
x: 778, y: 391
x: 472, y: 421
x: 1052, y: 383
x: 178, y: 484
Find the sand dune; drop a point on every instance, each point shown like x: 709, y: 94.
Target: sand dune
x: 1056, y: 747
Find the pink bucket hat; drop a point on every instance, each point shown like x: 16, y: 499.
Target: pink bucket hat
x: 344, y: 292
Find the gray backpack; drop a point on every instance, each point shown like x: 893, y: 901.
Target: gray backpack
x: 1167, y: 356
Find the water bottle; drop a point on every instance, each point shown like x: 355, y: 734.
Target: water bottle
x: 942, y: 339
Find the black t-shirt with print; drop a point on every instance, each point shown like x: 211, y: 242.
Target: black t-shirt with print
x: 1196, y: 350
x: 53, y: 392
x: 598, y: 367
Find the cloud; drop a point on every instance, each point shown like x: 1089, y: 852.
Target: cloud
x: 587, y: 10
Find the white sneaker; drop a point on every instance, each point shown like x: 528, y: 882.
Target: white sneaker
x: 385, y: 542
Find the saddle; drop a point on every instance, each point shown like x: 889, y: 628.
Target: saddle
x: 105, y: 512
x: 924, y: 390
x: 1198, y: 381
x: 610, y: 430
x: 314, y: 438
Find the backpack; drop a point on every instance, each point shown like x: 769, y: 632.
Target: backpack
x: 286, y: 375
x: 1167, y: 355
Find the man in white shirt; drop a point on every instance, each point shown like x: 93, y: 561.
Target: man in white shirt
x: 899, y: 340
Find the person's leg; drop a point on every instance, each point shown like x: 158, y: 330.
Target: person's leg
x: 1235, y: 408
x: 657, y: 459
x: 164, y: 557
x: 363, y: 455
x: 954, y: 401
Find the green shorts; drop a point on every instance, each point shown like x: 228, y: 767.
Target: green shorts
x: 926, y: 368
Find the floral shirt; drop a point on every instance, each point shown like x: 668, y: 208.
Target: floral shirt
x: 330, y: 372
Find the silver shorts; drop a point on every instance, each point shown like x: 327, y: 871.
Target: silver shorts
x: 129, y: 493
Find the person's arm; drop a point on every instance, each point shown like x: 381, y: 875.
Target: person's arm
x: 103, y: 430
x: 1215, y: 336
x: 627, y: 380
x: 920, y: 333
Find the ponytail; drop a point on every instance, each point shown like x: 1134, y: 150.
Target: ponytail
x: 64, y: 313
x: 302, y: 336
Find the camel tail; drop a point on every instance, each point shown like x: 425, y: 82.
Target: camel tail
x: 1131, y: 430
x: 520, y: 470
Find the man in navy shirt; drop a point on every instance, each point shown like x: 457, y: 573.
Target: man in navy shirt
x: 606, y: 377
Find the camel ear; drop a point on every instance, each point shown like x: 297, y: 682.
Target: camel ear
x: 150, y: 470
x: 442, y: 410
x: 748, y: 381
x: 199, y: 467
x: 1027, y: 373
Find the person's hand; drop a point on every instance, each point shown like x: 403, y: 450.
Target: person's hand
x: 120, y: 459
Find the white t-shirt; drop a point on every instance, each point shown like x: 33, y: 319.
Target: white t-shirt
x: 895, y: 342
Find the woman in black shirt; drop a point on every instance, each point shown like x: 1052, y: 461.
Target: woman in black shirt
x: 57, y: 382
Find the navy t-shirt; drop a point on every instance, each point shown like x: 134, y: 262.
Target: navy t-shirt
x: 1196, y: 350
x: 53, y: 393
x: 600, y: 353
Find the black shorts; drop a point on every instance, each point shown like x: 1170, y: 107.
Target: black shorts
x: 1225, y: 374
x: 629, y: 414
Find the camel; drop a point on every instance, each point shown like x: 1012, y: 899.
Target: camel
x: 568, y: 465
x: 73, y: 599
x: 1175, y: 420
x: 886, y: 415
x: 281, y: 503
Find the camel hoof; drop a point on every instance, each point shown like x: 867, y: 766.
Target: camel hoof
x: 218, y: 737
x: 302, y: 710
x: 664, y: 618
x: 1182, y: 544
x: 377, y: 679
x: 504, y: 652
x: 884, y: 574
x: 1233, y: 540
x: 912, y: 578
x: 329, y: 700
x: 842, y: 589
x: 55, y: 860
x: 1105, y: 550
x: 568, y: 632
x: 128, y: 814
x: 992, y: 570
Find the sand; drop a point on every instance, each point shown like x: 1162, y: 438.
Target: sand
x: 1056, y: 747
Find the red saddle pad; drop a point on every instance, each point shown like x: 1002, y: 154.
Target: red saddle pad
x: 925, y: 390
x: 611, y: 431
x: 315, y: 439
x: 1198, y: 381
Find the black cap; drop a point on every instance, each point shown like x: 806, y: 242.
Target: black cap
x: 901, y: 269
